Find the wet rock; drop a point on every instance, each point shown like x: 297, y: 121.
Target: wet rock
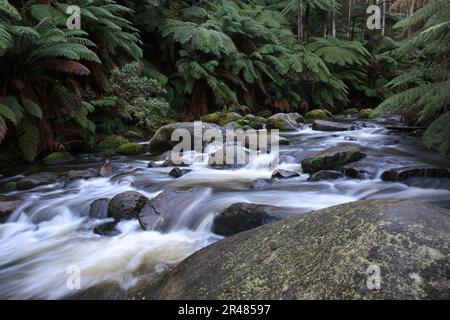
x: 36, y: 180
x: 259, y: 184
x: 161, y: 141
x: 152, y: 164
x: 105, y: 169
x: 169, y: 163
x: 99, y: 209
x: 350, y: 111
x: 283, y: 122
x: 230, y: 156
x: 126, y: 205
x: 318, y: 114
x: 367, y: 113
x: 130, y: 149
x: 404, y: 173
x: 326, y: 254
x: 229, y: 117
x: 331, y: 158
x: 107, y: 229
x: 325, y: 175
x: 162, y: 210
x: 322, y: 125
x: 212, y: 118
x: 57, y: 157
x: 7, y: 206
x: 245, y: 216
x: 359, y: 171
x: 284, y: 174
x: 111, y: 143
x: 178, y: 173
x: 81, y: 174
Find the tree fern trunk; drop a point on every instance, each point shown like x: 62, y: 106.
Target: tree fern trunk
x: 199, y: 106
x: 300, y: 32
x: 333, y: 24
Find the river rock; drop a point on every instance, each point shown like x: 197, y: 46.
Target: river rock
x: 107, y: 229
x: 167, y: 206
x: 36, y: 180
x: 284, y: 174
x: 130, y: 149
x: 81, y: 174
x: 325, y: 175
x: 7, y: 206
x: 326, y: 254
x: 238, y: 155
x: 322, y: 125
x: 99, y: 209
x: 331, y: 158
x: 359, y: 170
x: 245, y: 216
x: 283, y: 122
x: 57, y: 157
x: 403, y: 173
x: 161, y: 141
x: 178, y: 173
x: 126, y: 205
x: 318, y: 114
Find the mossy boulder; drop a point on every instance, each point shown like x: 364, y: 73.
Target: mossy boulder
x: 111, y: 143
x: 350, y: 111
x: 317, y: 114
x: 331, y: 158
x: 323, y: 125
x: 162, y: 139
x: 283, y: 122
x: 134, y: 135
x: 212, y: 118
x: 366, y: 113
x: 229, y: 117
x: 36, y: 180
x: 57, y: 157
x: 404, y: 173
x: 126, y: 205
x: 129, y: 149
x: 265, y: 113
x: 333, y: 253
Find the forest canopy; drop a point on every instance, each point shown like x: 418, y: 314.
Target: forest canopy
x: 136, y: 65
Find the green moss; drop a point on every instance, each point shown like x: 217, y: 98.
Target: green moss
x: 130, y: 149
x: 11, y: 186
x: 229, y: 117
x: 57, y: 157
x: 212, y: 118
x: 112, y: 142
x: 367, y: 113
x: 265, y: 113
x: 317, y: 114
x: 350, y: 111
x: 134, y: 134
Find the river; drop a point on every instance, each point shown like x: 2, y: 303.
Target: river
x: 51, y: 231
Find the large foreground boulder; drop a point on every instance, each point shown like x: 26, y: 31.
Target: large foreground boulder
x: 162, y: 140
x: 331, y: 158
x: 341, y: 252
x: 245, y: 216
x: 161, y: 211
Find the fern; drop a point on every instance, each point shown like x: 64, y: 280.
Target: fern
x: 28, y: 138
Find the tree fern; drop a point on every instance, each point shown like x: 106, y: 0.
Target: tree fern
x: 28, y: 138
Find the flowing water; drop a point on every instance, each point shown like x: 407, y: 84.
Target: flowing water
x: 51, y: 233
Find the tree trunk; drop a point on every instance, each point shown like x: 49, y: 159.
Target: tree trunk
x: 349, y: 19
x: 383, y: 19
x: 199, y: 105
x: 300, y: 32
x: 333, y: 24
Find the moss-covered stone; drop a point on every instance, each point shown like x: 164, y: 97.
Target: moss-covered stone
x: 57, y: 157
x: 317, y: 114
x: 283, y: 122
x: 350, y: 111
x: 129, y: 149
x: 265, y: 113
x: 326, y: 254
x: 126, y: 205
x: 10, y: 186
x: 35, y: 180
x: 366, y: 113
x: 229, y: 117
x: 212, y: 118
x: 331, y: 158
x: 112, y: 142
x: 134, y: 135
